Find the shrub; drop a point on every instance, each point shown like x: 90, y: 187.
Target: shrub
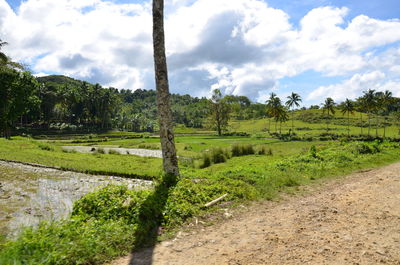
x: 313, y: 151
x: 269, y: 152
x: 100, y: 151
x: 218, y: 156
x: 261, y: 151
x: 206, y: 161
x: 46, y: 147
x: 241, y: 150
x: 113, y: 152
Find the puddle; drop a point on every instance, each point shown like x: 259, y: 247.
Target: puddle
x: 122, y: 151
x: 30, y: 194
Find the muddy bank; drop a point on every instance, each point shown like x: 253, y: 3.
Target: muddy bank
x: 119, y: 150
x: 30, y: 194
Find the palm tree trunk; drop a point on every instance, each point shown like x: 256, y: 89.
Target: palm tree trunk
x: 384, y: 128
x: 269, y: 125
x: 292, y: 120
x: 361, y: 123
x: 170, y: 161
x: 369, y: 123
x: 348, y: 124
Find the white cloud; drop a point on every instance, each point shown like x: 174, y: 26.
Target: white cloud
x: 353, y: 87
x: 239, y: 46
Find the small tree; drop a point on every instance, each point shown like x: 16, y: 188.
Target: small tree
x: 219, y: 112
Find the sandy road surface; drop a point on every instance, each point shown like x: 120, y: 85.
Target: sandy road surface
x: 355, y: 220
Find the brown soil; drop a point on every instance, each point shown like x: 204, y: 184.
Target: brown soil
x: 355, y: 220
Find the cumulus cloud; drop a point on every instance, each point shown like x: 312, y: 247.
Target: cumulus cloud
x: 242, y: 47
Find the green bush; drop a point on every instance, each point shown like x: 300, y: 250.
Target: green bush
x: 218, y: 155
x: 100, y: 151
x: 206, y: 161
x: 113, y: 152
x: 45, y: 147
x: 241, y: 150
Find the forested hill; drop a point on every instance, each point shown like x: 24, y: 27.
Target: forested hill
x: 79, y: 103
x: 76, y: 103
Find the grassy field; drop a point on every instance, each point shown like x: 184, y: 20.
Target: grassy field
x: 113, y: 220
x: 309, y: 123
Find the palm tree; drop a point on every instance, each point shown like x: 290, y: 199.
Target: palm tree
x: 396, y: 117
x: 270, y: 103
x: 361, y: 109
x: 170, y: 161
x: 293, y: 101
x: 5, y: 61
x: 275, y: 109
x: 328, y: 107
x: 3, y: 56
x: 384, y: 100
x: 369, y: 100
x: 348, y: 108
x: 281, y: 116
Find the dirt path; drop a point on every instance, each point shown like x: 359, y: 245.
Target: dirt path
x: 355, y: 220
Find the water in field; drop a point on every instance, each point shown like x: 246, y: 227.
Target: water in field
x: 30, y: 194
x: 119, y: 150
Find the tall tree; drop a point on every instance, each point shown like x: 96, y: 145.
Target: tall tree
x: 270, y: 106
x: 3, y: 56
x: 170, y: 160
x: 5, y: 61
x: 281, y: 116
x: 219, y: 115
x: 384, y: 99
x: 328, y: 107
x: 292, y: 102
x: 360, y: 105
x: 17, y: 97
x: 348, y: 108
x: 369, y: 100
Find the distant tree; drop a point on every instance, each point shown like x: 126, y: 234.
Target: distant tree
x: 219, y: 111
x: 360, y: 107
x: 369, y: 100
x: 348, y: 108
x: 328, y: 107
x: 292, y: 102
x: 270, y: 107
x: 281, y: 115
x: 383, y: 101
x: 170, y: 160
x: 396, y: 118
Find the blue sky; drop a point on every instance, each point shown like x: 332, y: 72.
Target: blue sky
x: 317, y: 48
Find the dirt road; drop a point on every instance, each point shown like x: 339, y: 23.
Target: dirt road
x: 355, y: 220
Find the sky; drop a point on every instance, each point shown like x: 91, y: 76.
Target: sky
x: 316, y: 48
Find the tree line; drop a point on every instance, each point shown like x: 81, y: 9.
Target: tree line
x: 58, y: 102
